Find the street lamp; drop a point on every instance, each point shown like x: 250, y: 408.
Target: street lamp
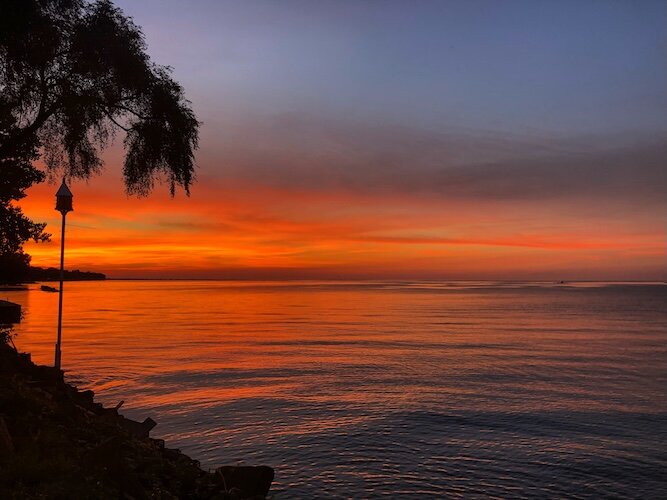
x: 63, y: 205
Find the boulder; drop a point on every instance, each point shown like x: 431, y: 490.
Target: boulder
x: 139, y: 429
x: 251, y: 481
x: 9, y: 312
x: 6, y: 444
x: 85, y: 396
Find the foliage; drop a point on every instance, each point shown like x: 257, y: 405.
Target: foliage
x: 53, y: 274
x: 6, y: 335
x: 72, y: 74
x: 18, y: 173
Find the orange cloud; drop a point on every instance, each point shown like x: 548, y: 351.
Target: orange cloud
x: 253, y: 231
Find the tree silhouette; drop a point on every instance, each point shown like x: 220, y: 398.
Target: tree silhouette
x: 73, y: 73
x: 18, y: 174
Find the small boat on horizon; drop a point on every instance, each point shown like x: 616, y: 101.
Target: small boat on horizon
x: 47, y: 288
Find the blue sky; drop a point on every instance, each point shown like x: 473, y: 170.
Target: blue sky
x: 525, y: 67
x: 467, y: 139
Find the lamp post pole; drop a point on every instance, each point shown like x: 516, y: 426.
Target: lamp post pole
x: 60, y: 295
x: 63, y: 205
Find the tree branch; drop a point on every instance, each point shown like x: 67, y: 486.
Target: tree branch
x: 129, y: 110
x: 110, y: 117
x: 26, y: 132
x: 42, y: 85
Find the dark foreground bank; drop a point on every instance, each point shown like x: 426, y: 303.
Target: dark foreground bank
x: 56, y: 442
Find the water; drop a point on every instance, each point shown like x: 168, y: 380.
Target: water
x: 396, y: 389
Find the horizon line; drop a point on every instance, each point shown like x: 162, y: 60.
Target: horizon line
x: 467, y: 280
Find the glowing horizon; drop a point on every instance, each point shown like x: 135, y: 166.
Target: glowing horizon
x: 260, y: 233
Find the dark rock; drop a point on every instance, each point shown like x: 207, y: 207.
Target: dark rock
x: 172, y: 453
x: 9, y: 312
x: 139, y: 429
x: 252, y: 481
x: 47, y: 374
x: 62, y: 441
x: 159, y: 443
x: 107, y: 452
x: 86, y: 396
x: 6, y: 444
x: 149, y: 424
x: 108, y: 415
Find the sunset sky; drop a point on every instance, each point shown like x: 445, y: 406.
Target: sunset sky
x: 396, y: 139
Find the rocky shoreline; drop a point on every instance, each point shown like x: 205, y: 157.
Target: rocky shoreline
x: 57, y: 442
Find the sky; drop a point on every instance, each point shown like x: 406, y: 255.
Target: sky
x: 398, y: 140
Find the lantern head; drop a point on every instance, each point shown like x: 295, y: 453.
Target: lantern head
x: 64, y: 199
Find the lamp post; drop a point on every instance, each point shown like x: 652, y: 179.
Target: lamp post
x: 63, y: 205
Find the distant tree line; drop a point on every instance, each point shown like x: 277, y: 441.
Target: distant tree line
x: 53, y: 274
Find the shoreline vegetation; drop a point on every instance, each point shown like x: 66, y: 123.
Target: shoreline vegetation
x: 37, y: 274
x: 57, y: 442
x: 53, y: 274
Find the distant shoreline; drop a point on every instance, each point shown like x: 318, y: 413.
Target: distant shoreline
x: 36, y: 274
x: 392, y: 280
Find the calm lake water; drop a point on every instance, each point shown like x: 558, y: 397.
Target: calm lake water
x: 358, y: 390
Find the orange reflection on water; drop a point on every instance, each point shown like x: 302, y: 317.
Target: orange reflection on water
x: 365, y: 379
x: 202, y: 343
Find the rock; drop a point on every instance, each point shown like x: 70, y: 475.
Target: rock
x: 47, y: 374
x: 251, y: 481
x: 108, y: 455
x: 172, y: 454
x: 159, y: 443
x: 86, y: 396
x: 6, y: 444
x: 149, y: 424
x: 139, y: 429
x: 9, y: 312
